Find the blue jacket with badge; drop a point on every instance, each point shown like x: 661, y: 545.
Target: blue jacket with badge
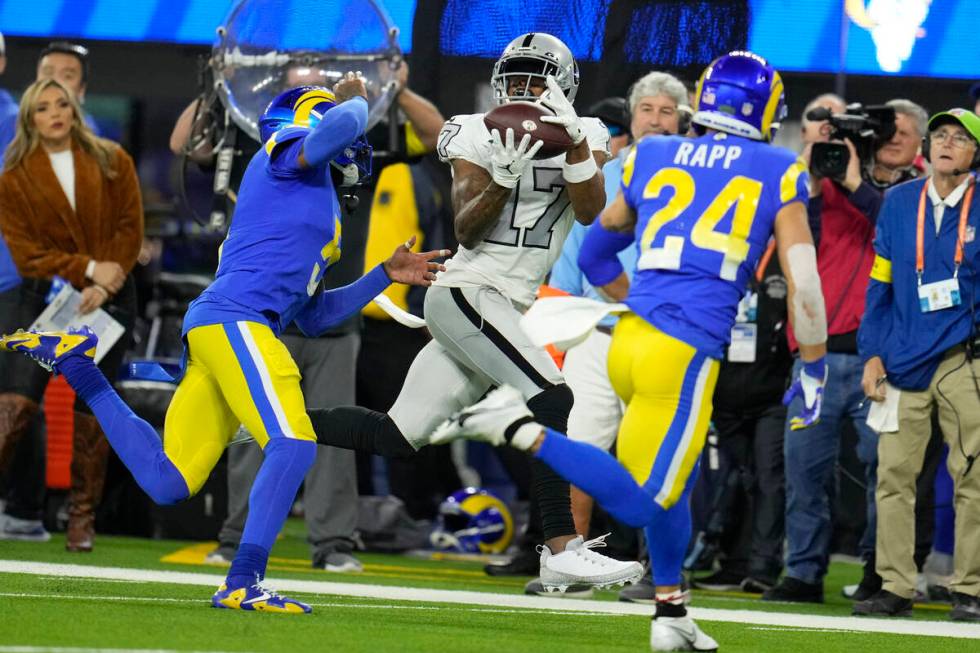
x: 911, y: 342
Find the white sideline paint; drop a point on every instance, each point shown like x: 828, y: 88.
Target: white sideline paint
x: 315, y: 604
x: 74, y: 649
x: 494, y: 600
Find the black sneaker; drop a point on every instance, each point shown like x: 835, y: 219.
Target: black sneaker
x: 795, y: 591
x: 641, y: 591
x: 965, y: 607
x: 884, y: 604
x: 869, y: 586
x: 939, y: 594
x: 524, y: 563
x: 720, y: 581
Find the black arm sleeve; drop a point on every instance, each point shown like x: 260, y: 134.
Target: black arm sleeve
x: 813, y: 210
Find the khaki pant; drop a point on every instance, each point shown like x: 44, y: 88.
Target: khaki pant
x: 952, y: 392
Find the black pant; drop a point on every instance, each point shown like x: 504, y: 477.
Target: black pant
x: 23, y: 493
x: 752, y: 511
x: 21, y: 375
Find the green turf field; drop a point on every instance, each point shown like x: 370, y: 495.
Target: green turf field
x: 136, y: 607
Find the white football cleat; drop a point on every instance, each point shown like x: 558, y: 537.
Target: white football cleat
x: 500, y: 414
x: 578, y: 564
x: 679, y: 634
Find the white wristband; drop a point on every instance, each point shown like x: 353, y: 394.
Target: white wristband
x: 90, y: 269
x: 575, y: 173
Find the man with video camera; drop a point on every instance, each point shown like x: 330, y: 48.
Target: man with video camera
x: 858, y: 154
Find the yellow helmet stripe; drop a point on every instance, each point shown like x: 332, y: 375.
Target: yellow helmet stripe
x: 769, y: 115
x: 477, y: 502
x: 304, y: 104
x: 698, y: 87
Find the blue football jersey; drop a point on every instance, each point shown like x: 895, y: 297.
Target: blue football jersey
x: 284, y: 235
x: 705, y: 209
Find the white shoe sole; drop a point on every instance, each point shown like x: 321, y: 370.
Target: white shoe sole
x: 217, y: 560
x: 343, y: 569
x: 556, y: 580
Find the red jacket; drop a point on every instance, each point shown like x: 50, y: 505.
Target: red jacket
x: 844, y: 258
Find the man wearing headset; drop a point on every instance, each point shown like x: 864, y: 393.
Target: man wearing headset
x: 920, y: 344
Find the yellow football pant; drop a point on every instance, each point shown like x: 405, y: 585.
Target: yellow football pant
x: 667, y: 386
x: 238, y: 373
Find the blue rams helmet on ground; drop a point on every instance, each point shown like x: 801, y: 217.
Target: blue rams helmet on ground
x: 473, y: 521
x: 305, y: 106
x: 740, y: 93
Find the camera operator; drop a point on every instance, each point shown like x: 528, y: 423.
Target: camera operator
x: 815, y: 131
x: 842, y: 212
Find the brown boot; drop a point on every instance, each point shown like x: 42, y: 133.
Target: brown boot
x: 90, y: 451
x: 16, y: 413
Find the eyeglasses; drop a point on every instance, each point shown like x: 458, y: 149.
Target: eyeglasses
x: 958, y: 140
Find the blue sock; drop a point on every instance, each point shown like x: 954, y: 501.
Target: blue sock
x: 133, y: 439
x: 667, y: 538
x: 600, y: 476
x: 248, y: 566
x: 85, y: 378
x: 286, y: 463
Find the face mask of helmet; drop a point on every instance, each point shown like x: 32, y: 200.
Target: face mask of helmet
x: 519, y: 75
x: 353, y: 166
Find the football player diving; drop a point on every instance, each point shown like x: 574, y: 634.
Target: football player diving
x: 512, y: 215
x: 700, y: 213
x: 285, y: 235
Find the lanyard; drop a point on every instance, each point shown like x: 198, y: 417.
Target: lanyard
x: 920, y: 259
x: 760, y: 269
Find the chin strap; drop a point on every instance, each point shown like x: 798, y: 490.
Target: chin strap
x: 349, y: 173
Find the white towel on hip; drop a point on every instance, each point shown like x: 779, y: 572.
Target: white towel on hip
x: 565, y: 321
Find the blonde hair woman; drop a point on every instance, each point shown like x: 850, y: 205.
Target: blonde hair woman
x: 70, y: 206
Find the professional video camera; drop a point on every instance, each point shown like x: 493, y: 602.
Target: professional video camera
x: 868, y: 128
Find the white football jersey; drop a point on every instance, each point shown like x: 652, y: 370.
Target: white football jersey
x: 527, y: 239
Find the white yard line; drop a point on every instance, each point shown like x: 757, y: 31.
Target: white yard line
x: 494, y: 600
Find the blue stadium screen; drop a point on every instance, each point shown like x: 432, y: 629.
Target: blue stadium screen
x: 903, y: 37
x: 167, y: 21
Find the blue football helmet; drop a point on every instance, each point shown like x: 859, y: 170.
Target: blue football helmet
x: 305, y: 106
x: 473, y: 521
x: 740, y: 93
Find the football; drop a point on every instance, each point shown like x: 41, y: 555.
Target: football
x: 525, y: 118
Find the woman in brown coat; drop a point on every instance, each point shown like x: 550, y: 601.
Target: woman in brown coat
x: 70, y: 206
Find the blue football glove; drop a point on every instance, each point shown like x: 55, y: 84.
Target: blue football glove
x: 808, y: 387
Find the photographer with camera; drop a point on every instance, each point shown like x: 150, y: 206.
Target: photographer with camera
x: 860, y: 152
x: 920, y: 343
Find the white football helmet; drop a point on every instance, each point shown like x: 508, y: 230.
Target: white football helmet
x: 531, y: 55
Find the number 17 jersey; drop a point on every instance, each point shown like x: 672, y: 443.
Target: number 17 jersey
x: 527, y: 237
x: 705, y: 210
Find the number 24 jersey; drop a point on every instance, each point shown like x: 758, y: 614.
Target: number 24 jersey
x: 705, y: 210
